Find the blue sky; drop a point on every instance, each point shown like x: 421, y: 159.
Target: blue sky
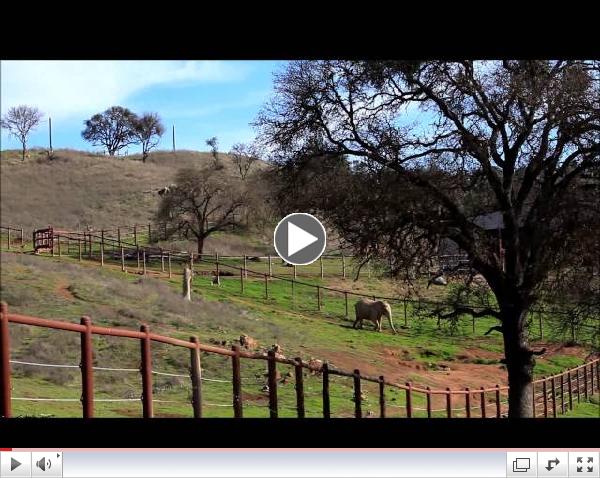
x: 201, y: 98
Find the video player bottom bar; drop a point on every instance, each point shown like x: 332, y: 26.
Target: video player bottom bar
x: 300, y: 463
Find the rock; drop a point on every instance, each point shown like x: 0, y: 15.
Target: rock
x: 439, y: 280
x: 316, y: 364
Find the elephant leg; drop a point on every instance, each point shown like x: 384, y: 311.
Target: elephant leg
x: 357, y: 322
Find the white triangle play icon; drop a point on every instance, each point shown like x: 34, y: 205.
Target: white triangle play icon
x: 298, y: 239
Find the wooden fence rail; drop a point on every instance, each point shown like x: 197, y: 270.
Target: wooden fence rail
x: 590, y: 372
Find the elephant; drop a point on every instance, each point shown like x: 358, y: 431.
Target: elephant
x: 372, y: 310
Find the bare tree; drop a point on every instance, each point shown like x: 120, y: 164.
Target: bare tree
x: 521, y: 132
x: 214, y: 151
x: 148, y: 129
x: 203, y: 202
x: 243, y: 156
x: 20, y: 121
x: 113, y: 129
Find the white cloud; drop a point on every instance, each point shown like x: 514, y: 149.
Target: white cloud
x: 64, y: 89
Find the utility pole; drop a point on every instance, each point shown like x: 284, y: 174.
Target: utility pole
x: 173, y: 138
x: 50, y: 132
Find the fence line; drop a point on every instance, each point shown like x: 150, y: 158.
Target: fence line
x: 590, y: 377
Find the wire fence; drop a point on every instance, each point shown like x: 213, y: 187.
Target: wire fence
x: 235, y: 276
x: 552, y: 395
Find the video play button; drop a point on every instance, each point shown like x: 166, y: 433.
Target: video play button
x: 300, y: 239
x: 14, y: 464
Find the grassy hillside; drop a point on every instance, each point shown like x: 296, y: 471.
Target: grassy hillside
x: 64, y: 289
x: 80, y: 188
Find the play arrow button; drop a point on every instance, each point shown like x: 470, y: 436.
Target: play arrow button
x: 14, y: 464
x: 300, y: 239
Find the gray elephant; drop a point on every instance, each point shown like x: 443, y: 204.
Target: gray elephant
x: 372, y: 310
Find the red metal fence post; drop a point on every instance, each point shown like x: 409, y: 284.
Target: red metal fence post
x: 272, y: 369
x: 326, y: 407
x: 381, y: 396
x: 429, y: 402
x: 299, y: 387
x: 87, y: 369
x: 482, y: 401
x: 357, y: 395
x: 196, y: 376
x: 545, y: 392
x: 498, y: 409
x: 237, y: 382
x: 5, y: 393
x: 408, y: 400
x: 146, y: 370
x: 468, y: 402
x: 553, y: 395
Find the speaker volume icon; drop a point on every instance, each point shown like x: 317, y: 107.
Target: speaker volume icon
x: 43, y: 463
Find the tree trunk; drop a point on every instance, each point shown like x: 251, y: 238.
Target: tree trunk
x: 200, y: 244
x: 519, y: 361
x: 23, y: 152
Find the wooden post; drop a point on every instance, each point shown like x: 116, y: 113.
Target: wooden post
x: 58, y: 244
x: 119, y: 236
x: 149, y: 233
x: 192, y: 262
x: 299, y: 372
x: 381, y: 396
x: 102, y: 250
x: 482, y: 402
x: 22, y: 238
x: 146, y: 370
x: 122, y: 260
x: 321, y: 265
x: 326, y: 407
x: 553, y: 396
x: 90, y: 245
x: 50, y: 133
x: 592, y: 378
x: 196, y: 376
x: 237, y: 383
x: 318, y: 298
x: 408, y: 400
x: 570, y: 388
x: 5, y: 372
x: 266, y: 286
x: 245, y: 266
x: 346, y: 302
x: 138, y: 256
x: 585, y: 382
x: 169, y: 263
x: 144, y: 259
x: 295, y: 273
x: 468, y: 402
x: 428, y: 402
x: 405, y: 315
x: 87, y: 369
x: 578, y: 387
x: 357, y: 395
x: 79, y: 247
x: 270, y: 266
x: 242, y: 281
x: 498, y: 408
x: 343, y: 266
x: 8, y: 241
x: 135, y: 240
x: 448, y: 403
x: 272, y: 369
x: 545, y: 392
x: 162, y: 260
x: 293, y: 293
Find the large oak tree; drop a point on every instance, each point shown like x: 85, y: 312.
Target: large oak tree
x: 520, y: 133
